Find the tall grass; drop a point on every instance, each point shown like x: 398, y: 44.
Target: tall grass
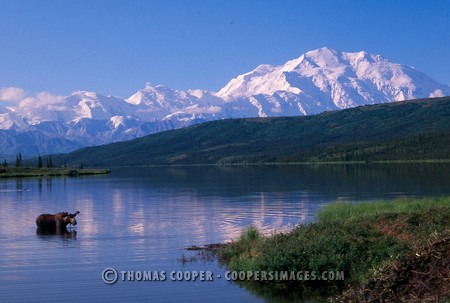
x: 355, y: 238
x: 341, y: 211
x: 244, y: 248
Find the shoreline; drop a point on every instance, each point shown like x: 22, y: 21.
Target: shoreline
x: 24, y: 172
x: 389, y: 250
x: 428, y: 161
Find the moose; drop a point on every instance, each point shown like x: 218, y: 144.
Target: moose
x: 55, y: 224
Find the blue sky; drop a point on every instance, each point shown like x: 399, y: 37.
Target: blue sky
x: 114, y: 47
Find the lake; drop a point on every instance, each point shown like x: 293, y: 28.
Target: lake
x: 142, y: 219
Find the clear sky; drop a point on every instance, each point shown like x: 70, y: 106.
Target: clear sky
x: 114, y: 47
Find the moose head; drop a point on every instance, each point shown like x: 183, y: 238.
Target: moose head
x: 70, y: 218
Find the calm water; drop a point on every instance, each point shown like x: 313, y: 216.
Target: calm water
x: 142, y: 219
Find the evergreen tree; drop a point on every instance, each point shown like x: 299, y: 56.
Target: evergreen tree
x: 49, y: 163
x: 81, y: 165
x: 39, y: 164
x: 5, y: 164
x: 17, y: 164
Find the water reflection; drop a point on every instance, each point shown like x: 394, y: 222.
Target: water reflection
x: 68, y: 234
x: 141, y: 219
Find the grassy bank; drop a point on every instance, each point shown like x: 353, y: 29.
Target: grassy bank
x: 15, y: 172
x: 377, y: 245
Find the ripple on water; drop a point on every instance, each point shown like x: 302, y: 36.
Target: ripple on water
x: 141, y: 219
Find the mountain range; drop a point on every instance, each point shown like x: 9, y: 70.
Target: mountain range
x: 320, y: 80
x: 413, y: 130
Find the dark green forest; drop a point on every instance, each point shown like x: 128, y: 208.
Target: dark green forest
x: 414, y: 130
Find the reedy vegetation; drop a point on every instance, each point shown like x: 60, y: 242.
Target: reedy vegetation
x: 359, y: 239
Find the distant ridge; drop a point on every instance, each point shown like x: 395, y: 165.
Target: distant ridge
x: 411, y: 130
x: 320, y: 80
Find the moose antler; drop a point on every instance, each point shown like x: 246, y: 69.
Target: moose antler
x: 74, y: 214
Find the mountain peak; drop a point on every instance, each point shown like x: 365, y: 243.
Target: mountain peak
x: 335, y: 78
x: 327, y: 51
x: 324, y: 57
x: 316, y: 81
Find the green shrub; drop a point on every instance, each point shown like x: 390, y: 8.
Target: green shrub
x: 357, y: 239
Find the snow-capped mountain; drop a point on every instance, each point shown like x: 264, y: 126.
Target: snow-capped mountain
x: 326, y: 79
x: 156, y: 103
x: 320, y: 80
